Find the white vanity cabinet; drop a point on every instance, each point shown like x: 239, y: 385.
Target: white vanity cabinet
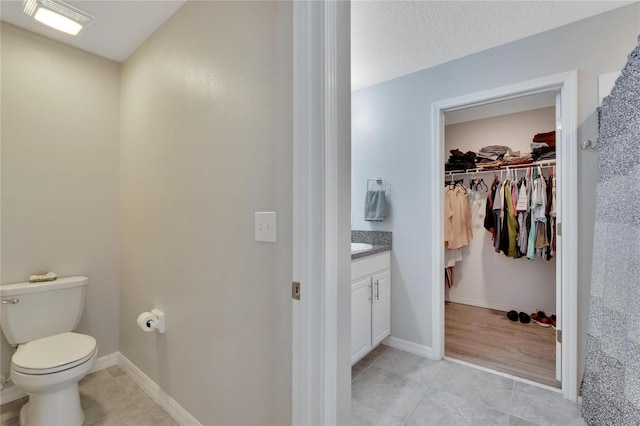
x: 370, y: 303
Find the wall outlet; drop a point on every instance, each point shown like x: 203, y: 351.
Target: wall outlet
x: 265, y: 227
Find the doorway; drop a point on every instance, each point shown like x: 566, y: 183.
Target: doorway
x: 566, y: 272
x: 501, y: 300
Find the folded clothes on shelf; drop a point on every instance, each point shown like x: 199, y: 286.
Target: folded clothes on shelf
x: 549, y: 138
x: 520, y: 159
x: 460, y: 160
x: 499, y: 150
x: 497, y: 156
x: 547, y: 153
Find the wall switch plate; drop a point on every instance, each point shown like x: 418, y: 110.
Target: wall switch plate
x: 266, y: 227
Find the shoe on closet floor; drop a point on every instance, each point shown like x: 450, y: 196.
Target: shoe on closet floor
x: 541, y: 319
x: 513, y: 316
x: 524, y: 318
x: 553, y: 321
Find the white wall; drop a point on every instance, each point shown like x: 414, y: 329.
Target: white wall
x: 60, y: 155
x: 513, y: 130
x: 390, y: 138
x: 486, y: 278
x: 206, y: 142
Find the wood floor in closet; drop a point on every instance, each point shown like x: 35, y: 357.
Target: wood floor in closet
x: 487, y: 338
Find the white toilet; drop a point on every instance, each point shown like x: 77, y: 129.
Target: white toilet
x: 50, y: 360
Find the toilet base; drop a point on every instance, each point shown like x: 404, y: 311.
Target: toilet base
x: 55, y: 408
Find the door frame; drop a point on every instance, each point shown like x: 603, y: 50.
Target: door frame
x: 567, y: 271
x: 321, y: 215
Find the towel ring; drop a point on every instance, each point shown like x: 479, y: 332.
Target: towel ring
x: 376, y: 184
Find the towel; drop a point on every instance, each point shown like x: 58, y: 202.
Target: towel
x: 375, y: 206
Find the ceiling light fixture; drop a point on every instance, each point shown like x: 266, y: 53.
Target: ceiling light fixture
x: 58, y: 15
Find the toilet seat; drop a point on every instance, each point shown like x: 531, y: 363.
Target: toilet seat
x: 53, y: 354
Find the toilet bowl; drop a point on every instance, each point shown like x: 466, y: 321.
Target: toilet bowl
x: 49, y: 370
x: 50, y: 360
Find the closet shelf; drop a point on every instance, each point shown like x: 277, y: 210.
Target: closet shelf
x: 545, y: 163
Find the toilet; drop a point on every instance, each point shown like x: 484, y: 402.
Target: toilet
x: 50, y: 359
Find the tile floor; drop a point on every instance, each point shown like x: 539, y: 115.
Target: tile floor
x: 108, y: 397
x: 389, y: 387
x: 392, y: 387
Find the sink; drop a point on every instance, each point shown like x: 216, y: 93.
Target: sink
x: 360, y: 247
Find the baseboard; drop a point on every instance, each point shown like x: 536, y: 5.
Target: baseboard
x: 174, y: 409
x: 106, y: 361
x: 12, y: 392
x: 411, y: 347
x: 491, y: 305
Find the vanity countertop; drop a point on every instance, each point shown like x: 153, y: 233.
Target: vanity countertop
x: 380, y: 240
x: 377, y: 248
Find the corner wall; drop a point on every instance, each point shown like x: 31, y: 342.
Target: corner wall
x: 60, y: 156
x: 390, y: 138
x: 206, y: 142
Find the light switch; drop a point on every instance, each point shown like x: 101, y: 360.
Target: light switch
x: 266, y: 226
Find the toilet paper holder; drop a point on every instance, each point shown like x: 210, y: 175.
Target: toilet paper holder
x: 150, y: 321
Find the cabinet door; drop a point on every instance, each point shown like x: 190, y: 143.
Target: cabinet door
x: 381, y: 307
x: 360, y: 318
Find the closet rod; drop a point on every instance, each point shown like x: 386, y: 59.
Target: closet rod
x: 544, y: 164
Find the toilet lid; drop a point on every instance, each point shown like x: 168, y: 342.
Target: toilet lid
x: 54, y: 353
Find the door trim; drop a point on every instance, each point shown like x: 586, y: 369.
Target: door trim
x: 307, y: 362
x: 318, y: 171
x: 559, y: 250
x: 566, y: 83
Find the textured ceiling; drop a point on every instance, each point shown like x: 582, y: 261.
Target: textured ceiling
x: 394, y: 38
x: 389, y: 38
x: 118, y: 29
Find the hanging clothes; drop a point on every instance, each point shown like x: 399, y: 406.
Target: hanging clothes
x: 448, y: 276
x: 509, y: 231
x: 542, y: 241
x: 520, y: 215
x: 522, y: 211
x: 531, y: 243
x: 512, y: 220
x: 489, y: 217
x: 458, y: 231
x: 552, y: 214
x: 538, y: 242
x: 452, y: 256
x: 497, y: 216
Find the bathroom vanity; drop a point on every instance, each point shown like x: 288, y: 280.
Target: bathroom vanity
x: 370, y: 297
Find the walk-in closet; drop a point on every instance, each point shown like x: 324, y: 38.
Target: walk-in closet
x: 501, y: 200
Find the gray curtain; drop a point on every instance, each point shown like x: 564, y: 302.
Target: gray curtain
x: 611, y: 384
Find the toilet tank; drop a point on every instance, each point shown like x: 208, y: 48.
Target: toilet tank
x: 31, y: 311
